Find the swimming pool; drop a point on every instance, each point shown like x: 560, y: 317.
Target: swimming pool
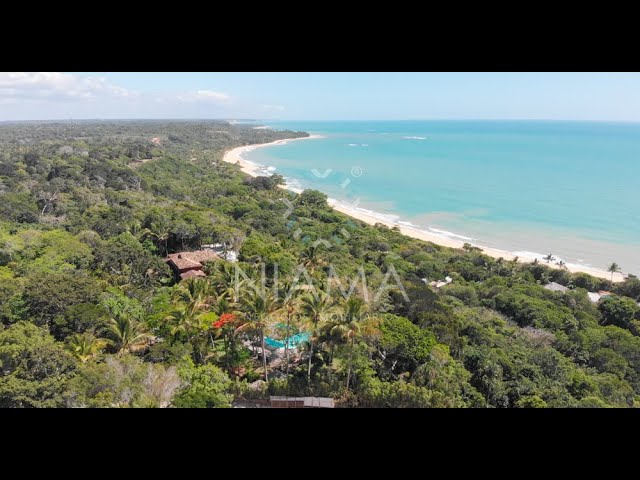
x: 294, y: 341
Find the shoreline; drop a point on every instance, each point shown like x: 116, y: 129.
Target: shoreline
x: 234, y: 156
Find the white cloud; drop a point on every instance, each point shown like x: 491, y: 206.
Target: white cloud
x: 278, y: 108
x: 54, y: 86
x: 55, y: 95
x: 209, y: 96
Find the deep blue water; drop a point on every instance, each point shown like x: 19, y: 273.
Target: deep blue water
x: 568, y: 188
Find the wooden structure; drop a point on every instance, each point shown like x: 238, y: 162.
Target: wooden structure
x: 301, y: 402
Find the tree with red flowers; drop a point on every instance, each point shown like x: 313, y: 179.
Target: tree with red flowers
x: 226, y: 327
x: 224, y: 319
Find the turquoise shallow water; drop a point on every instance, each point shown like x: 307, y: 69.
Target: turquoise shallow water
x: 568, y: 188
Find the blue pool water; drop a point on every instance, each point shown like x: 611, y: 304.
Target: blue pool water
x: 294, y: 341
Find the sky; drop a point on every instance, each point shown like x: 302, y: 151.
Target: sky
x: 320, y: 96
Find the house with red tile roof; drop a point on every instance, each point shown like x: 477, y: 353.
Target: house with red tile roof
x: 189, y: 264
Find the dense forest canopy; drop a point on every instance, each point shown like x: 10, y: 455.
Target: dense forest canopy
x: 92, y: 316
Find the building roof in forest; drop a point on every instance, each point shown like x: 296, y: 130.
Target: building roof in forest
x: 192, y: 274
x: 191, y: 260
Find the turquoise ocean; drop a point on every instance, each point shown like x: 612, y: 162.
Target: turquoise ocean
x: 528, y: 187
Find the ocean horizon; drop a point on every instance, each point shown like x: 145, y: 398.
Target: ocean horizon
x: 529, y: 187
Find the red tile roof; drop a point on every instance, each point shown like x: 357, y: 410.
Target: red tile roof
x: 192, y: 274
x: 191, y: 260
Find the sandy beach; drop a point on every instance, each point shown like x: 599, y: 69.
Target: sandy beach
x: 235, y: 156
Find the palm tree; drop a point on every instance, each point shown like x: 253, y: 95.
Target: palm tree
x: 196, y: 293
x: 224, y: 280
x: 127, y: 333
x: 134, y: 227
x: 613, y: 268
x: 222, y: 305
x: 548, y: 258
x: 259, y: 306
x: 311, y: 258
x: 190, y: 313
x: 290, y: 304
x: 186, y: 320
x: 315, y: 308
x: 562, y: 265
x: 85, y: 346
x: 228, y: 337
x: 327, y: 337
x: 161, y: 230
x: 352, y: 322
x: 346, y: 326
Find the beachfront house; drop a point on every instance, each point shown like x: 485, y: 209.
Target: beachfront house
x: 190, y: 264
